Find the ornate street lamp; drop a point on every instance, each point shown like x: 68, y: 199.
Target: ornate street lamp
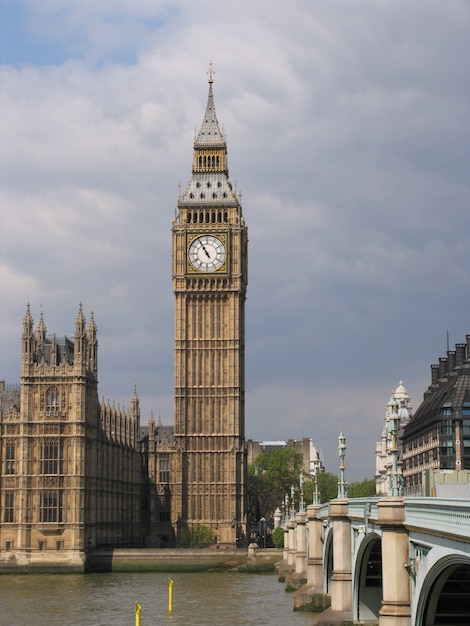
x: 342, y: 485
x: 393, y: 426
x: 316, y: 469
x: 301, y: 487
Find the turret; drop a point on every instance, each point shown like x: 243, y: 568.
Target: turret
x: 80, y: 341
x: 92, y: 348
x: 28, y: 337
x: 40, y: 336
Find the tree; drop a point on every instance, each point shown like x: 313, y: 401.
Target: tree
x: 270, y: 478
x: 278, y: 537
x: 363, y: 489
x: 198, y: 536
x: 327, y: 487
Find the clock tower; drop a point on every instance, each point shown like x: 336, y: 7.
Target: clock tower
x: 209, y: 267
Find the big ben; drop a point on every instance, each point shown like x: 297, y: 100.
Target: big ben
x: 209, y: 267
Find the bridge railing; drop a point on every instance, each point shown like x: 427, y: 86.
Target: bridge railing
x: 448, y: 516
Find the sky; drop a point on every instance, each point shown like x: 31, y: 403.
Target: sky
x: 348, y: 133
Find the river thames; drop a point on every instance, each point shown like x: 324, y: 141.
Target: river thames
x: 199, y: 599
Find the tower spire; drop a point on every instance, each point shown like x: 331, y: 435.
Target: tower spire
x: 210, y: 134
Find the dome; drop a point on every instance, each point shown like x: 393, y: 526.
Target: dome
x: 401, y: 392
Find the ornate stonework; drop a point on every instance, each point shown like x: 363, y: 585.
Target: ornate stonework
x: 209, y: 279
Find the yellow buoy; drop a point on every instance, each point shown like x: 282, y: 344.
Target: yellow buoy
x: 170, y: 595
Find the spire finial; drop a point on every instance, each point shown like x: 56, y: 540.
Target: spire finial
x: 211, y: 72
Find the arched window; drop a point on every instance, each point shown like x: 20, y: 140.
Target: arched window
x: 52, y: 400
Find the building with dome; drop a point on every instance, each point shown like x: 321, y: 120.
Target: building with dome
x: 383, y: 456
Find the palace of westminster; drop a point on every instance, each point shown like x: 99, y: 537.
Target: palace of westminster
x: 77, y: 473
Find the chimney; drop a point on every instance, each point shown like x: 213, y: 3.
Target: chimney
x: 434, y: 373
x: 442, y: 367
x: 451, y: 360
x: 460, y: 349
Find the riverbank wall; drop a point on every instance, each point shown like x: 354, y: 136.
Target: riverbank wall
x: 181, y: 560
x: 144, y: 559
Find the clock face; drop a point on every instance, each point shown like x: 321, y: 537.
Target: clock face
x: 206, y: 253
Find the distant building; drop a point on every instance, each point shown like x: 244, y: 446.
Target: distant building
x: 437, y: 438
x: 383, y: 457
x: 305, y: 447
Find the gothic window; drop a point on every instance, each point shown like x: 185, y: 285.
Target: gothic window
x: 164, y: 473
x: 51, y: 507
x: 10, y: 459
x: 52, y: 400
x: 9, y: 515
x: 52, y: 457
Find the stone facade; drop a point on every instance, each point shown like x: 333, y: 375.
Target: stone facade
x: 210, y: 275
x: 69, y: 464
x: 383, y: 456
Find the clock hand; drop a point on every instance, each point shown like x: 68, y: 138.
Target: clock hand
x: 207, y: 254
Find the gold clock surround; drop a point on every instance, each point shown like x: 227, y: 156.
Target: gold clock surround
x: 220, y: 236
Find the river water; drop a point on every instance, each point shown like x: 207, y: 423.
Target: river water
x: 199, y: 599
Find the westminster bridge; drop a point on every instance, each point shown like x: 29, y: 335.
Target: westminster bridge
x: 389, y: 561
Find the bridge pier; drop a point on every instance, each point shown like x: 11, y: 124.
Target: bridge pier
x: 311, y: 596
x: 287, y: 565
x: 396, y: 601
x: 296, y: 579
x: 340, y: 611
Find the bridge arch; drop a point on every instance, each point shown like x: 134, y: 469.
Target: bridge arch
x: 328, y: 561
x: 445, y: 594
x: 367, y: 590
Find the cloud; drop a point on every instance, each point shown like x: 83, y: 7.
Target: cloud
x: 348, y: 136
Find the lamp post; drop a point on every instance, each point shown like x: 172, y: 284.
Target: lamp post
x: 393, y: 426
x: 301, y: 487
x: 342, y: 485
x: 316, y: 469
